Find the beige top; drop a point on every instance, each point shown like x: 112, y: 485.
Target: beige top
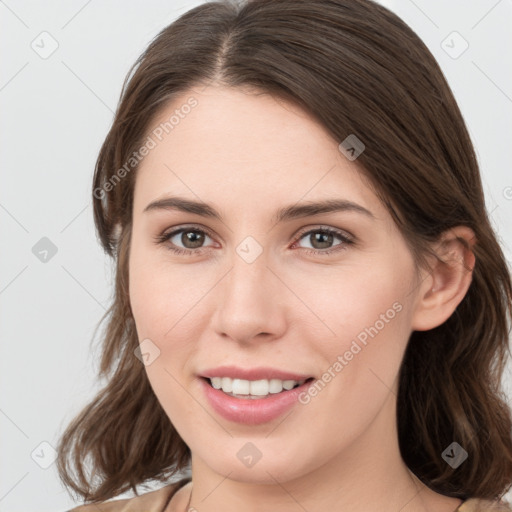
x: 157, y: 501
x: 154, y: 501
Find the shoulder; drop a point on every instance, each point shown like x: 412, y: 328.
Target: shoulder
x: 153, y: 501
x: 483, y: 505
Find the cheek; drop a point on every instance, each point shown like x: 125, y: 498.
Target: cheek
x: 349, y: 301
x: 365, y: 326
x: 168, y: 316
x: 160, y: 296
x: 159, y: 308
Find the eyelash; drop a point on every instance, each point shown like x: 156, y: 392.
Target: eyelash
x: 346, y: 240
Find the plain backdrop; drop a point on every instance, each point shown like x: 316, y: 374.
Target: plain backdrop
x: 62, y: 68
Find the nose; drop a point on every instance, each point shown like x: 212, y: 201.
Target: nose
x: 249, y: 303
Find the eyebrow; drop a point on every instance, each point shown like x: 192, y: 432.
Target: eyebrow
x: 294, y: 211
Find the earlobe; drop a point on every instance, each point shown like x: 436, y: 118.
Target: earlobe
x: 450, y: 277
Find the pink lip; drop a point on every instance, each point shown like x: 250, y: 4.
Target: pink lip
x: 251, y: 411
x: 253, y: 373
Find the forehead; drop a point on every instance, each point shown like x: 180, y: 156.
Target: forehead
x: 232, y: 142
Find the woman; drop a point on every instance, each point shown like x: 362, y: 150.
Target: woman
x: 311, y: 307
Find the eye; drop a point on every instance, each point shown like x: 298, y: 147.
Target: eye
x: 321, y: 240
x: 191, y: 238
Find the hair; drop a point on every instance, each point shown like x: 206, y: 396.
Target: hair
x: 358, y: 69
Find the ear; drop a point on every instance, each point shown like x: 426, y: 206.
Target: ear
x: 448, y: 280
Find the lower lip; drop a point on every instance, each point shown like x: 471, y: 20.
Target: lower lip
x: 252, y: 411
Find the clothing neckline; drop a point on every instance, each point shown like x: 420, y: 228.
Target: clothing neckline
x: 459, y: 509
x: 175, y: 487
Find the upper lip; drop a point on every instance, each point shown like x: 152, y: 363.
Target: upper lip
x: 257, y: 373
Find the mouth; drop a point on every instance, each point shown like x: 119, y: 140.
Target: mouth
x: 252, y: 402
x: 254, y: 389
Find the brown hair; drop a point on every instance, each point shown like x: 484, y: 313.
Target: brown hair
x: 358, y: 69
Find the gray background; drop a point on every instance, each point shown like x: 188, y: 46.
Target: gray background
x: 55, y: 112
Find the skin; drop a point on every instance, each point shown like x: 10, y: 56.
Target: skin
x: 247, y: 155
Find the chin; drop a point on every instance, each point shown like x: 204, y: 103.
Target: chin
x: 266, y: 470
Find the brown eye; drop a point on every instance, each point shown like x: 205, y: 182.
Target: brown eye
x: 184, y: 240
x: 321, y: 240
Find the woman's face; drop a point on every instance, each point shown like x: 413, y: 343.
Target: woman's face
x: 251, y: 290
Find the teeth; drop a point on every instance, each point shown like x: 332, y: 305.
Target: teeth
x: 253, y: 387
x: 225, y: 383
